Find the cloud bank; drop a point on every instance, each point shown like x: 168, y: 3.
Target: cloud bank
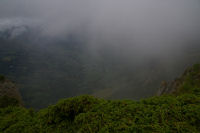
x: 149, y: 26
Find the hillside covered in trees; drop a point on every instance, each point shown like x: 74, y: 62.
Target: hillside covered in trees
x: 176, y: 110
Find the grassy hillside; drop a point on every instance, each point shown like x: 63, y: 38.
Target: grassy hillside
x: 175, y: 112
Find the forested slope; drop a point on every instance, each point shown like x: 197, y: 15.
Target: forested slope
x: 178, y: 111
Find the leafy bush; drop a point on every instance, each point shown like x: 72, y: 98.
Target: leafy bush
x: 17, y: 120
x: 86, y: 114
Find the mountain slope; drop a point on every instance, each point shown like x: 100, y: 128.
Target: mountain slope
x: 177, y: 112
x: 189, y: 82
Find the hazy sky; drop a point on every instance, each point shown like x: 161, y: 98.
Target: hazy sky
x: 153, y: 24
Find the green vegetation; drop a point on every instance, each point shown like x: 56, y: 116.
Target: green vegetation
x: 6, y: 101
x: 190, y: 79
x: 178, y: 112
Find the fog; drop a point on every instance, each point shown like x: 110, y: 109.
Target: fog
x: 147, y: 24
x: 141, y: 40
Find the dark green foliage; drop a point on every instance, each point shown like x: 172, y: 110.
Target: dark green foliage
x: 190, y: 81
x: 6, y: 101
x: 86, y: 114
x: 65, y: 112
x: 17, y: 120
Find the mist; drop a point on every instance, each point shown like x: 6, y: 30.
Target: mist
x: 125, y: 45
x: 145, y: 26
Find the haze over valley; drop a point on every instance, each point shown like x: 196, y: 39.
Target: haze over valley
x: 109, y: 49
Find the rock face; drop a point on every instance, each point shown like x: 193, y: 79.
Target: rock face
x: 9, y: 89
x: 169, y: 88
x: 190, y: 77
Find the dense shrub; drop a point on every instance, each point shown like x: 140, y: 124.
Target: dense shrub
x: 87, y: 114
x: 17, y: 120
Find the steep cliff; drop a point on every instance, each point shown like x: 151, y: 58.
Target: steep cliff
x: 189, y: 82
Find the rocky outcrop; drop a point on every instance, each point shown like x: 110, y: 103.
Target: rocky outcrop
x: 169, y: 87
x: 190, y: 77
